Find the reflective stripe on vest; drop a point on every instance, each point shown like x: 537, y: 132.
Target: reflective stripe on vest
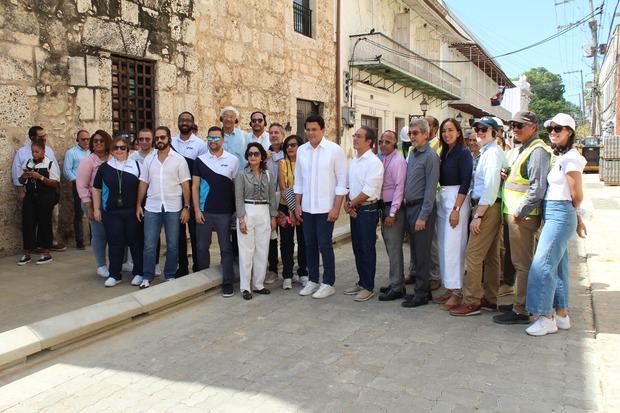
x: 516, y: 186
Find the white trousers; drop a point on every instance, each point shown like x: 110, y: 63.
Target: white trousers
x: 451, y: 241
x: 254, y: 247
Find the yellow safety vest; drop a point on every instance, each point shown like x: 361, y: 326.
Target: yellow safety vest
x: 516, y: 186
x: 434, y: 144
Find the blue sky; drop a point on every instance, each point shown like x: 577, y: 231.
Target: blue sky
x: 503, y: 26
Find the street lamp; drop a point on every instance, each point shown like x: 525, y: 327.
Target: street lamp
x: 459, y: 118
x: 424, y: 106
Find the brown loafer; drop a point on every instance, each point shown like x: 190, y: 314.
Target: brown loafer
x: 453, y: 302
x: 443, y: 297
x: 465, y: 310
x: 435, y: 285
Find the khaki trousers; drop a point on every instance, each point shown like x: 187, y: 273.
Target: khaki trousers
x: 522, y: 238
x: 483, y: 252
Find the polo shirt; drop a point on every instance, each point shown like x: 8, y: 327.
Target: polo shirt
x: 118, y: 180
x: 217, y: 182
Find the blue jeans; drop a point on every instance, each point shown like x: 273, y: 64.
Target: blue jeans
x: 97, y: 239
x: 363, y: 240
x: 318, y: 236
x: 152, y: 227
x: 547, y: 286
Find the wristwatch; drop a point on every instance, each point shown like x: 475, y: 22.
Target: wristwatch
x: 476, y: 216
x: 392, y: 215
x: 186, y: 207
x: 456, y: 208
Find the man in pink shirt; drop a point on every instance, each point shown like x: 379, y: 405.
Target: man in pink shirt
x: 394, y: 219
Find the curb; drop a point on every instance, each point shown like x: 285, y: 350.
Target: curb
x: 18, y: 344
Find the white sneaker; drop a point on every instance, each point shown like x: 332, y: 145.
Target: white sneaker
x: 324, y: 291
x: 304, y: 280
x: 111, y: 282
x: 287, y: 284
x: 542, y: 327
x: 309, y: 288
x: 103, y: 271
x: 145, y: 284
x: 563, y: 323
x: 271, y: 277
x: 127, y: 266
x: 157, y: 269
x: 137, y: 280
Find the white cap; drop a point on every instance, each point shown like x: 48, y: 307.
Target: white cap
x: 499, y: 122
x: 562, y: 119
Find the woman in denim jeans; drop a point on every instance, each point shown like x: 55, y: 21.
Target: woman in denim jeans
x: 547, y: 287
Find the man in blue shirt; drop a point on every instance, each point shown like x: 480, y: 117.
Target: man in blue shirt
x: 73, y: 157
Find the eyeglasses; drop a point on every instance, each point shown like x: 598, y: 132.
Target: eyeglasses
x: 414, y: 133
x: 213, y: 138
x: 143, y: 139
x: 257, y: 120
x: 357, y: 135
x: 96, y: 141
x: 291, y: 145
x: 84, y: 139
x: 482, y: 129
x: 161, y: 137
x: 516, y: 125
x: 120, y: 148
x: 253, y: 154
x: 556, y: 128
x: 382, y: 142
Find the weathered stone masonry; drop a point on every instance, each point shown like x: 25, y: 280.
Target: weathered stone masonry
x: 55, y: 60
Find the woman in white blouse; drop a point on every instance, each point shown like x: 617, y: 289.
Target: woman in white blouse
x: 547, y: 287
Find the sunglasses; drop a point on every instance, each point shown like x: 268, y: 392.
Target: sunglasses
x: 213, y: 138
x: 143, y: 139
x: 556, y: 128
x: 96, y: 141
x: 382, y: 142
x: 120, y: 148
x: 161, y: 137
x: 253, y: 154
x: 291, y: 145
x: 84, y: 139
x: 516, y: 125
x: 414, y: 133
x: 482, y: 129
x: 259, y: 120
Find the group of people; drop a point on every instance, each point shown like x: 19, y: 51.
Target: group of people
x: 462, y: 202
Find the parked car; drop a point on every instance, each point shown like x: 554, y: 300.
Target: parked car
x: 590, y: 148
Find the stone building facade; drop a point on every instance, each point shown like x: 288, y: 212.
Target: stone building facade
x: 58, y: 59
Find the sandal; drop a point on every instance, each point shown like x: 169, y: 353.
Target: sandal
x: 264, y: 291
x: 247, y: 295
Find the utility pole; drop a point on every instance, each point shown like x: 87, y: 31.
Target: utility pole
x: 583, y: 105
x: 595, y: 92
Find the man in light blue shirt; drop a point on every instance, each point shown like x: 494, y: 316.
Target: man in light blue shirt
x: 482, y: 247
x: 73, y: 157
x: 235, y: 140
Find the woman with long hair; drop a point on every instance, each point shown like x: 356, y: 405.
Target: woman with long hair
x: 99, y: 145
x: 115, y: 208
x: 547, y: 286
x: 289, y: 225
x: 453, y: 211
x: 255, y: 201
x: 40, y: 179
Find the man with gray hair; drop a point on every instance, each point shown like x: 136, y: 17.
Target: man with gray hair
x: 235, y: 140
x: 420, y: 190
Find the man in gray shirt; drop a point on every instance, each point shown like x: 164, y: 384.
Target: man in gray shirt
x: 524, y: 190
x: 420, y: 190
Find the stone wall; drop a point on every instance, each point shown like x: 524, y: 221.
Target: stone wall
x: 56, y: 69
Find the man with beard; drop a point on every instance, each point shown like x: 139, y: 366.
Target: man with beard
x: 164, y: 180
x: 258, y: 123
x: 191, y: 147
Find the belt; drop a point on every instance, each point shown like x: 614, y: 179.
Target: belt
x: 414, y: 202
x: 474, y: 202
x: 253, y: 202
x: 368, y: 203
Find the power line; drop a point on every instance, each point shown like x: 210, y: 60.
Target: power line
x: 611, y: 23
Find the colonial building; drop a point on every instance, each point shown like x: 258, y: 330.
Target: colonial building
x: 129, y: 64
x: 609, y: 87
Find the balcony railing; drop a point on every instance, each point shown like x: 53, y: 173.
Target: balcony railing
x: 483, y: 102
x: 302, y: 19
x: 376, y: 49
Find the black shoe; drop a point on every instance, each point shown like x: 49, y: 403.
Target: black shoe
x: 384, y: 290
x: 414, y: 301
x: 391, y: 295
x: 264, y: 291
x: 247, y: 295
x: 80, y: 246
x: 505, y: 308
x: 181, y: 272
x: 511, y: 318
x: 227, y: 290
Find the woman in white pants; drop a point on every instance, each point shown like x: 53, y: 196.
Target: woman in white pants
x: 256, y: 205
x: 453, y: 211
